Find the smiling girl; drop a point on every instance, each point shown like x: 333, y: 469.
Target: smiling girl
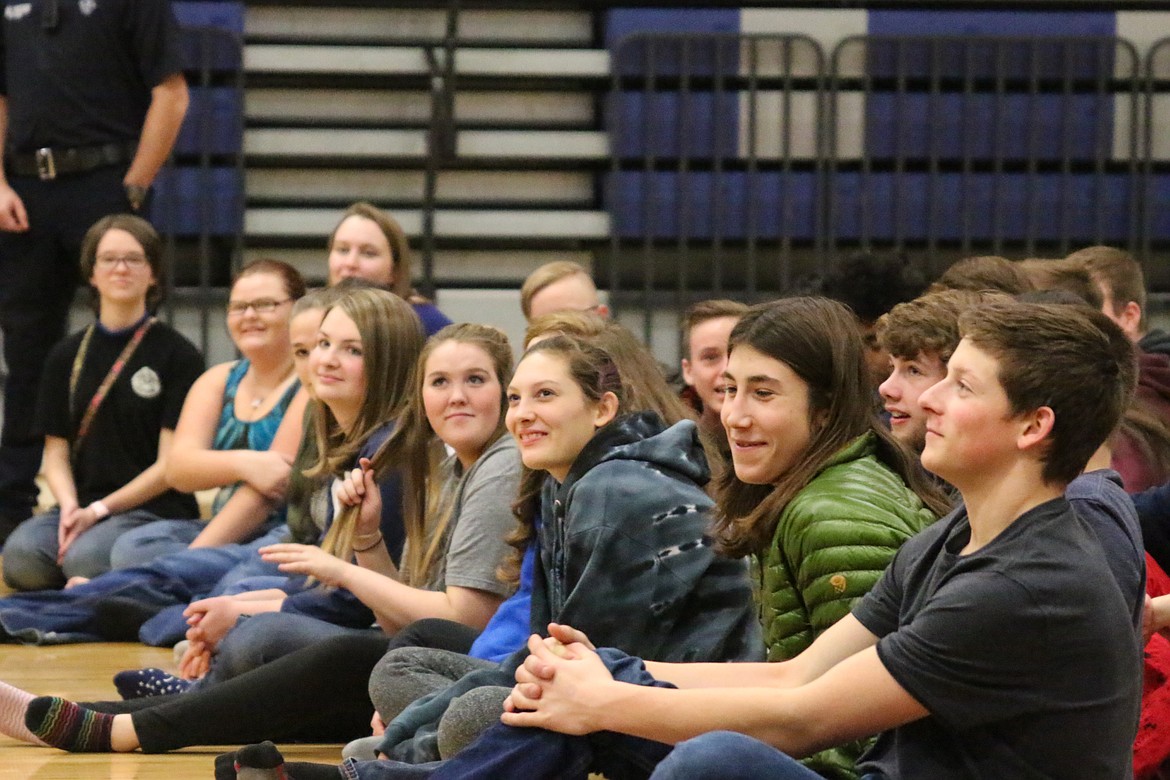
x: 616, y: 507
x: 455, y: 544
x: 362, y: 367
x: 821, y: 493
x: 240, y: 425
x: 369, y: 244
x: 115, y: 388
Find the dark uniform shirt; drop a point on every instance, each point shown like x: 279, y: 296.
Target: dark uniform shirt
x: 146, y: 398
x: 87, y: 81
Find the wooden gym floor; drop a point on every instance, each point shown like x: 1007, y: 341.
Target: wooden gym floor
x: 84, y: 672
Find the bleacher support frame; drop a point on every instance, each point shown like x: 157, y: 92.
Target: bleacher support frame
x: 1060, y: 170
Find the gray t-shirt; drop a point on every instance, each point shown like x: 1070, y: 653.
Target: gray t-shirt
x: 481, y: 519
x: 1024, y: 652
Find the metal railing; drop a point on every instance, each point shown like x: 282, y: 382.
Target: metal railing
x: 441, y: 135
x: 742, y: 165
x: 198, y: 201
x: 713, y: 169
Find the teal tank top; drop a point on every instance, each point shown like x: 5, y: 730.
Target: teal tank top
x: 236, y: 434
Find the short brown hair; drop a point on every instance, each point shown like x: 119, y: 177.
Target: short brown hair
x: 294, y: 283
x: 928, y: 324
x: 544, y: 276
x: 1072, y: 277
x: 142, y: 232
x: 1118, y: 273
x: 987, y: 272
x: 1072, y: 359
x: 395, y: 236
x: 709, y: 310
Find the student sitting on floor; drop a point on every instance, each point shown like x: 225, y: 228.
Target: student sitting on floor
x: 998, y: 643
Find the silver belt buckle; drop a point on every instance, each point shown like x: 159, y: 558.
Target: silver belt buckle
x: 46, y: 166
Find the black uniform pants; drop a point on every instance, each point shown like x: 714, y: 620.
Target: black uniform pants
x: 38, y: 277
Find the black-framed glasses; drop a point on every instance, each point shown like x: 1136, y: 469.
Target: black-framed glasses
x: 260, y: 306
x: 132, y: 260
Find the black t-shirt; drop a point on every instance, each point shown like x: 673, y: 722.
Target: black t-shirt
x: 1023, y: 651
x: 146, y: 398
x: 87, y: 81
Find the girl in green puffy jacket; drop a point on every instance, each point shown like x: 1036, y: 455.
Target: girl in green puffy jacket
x: 821, y: 494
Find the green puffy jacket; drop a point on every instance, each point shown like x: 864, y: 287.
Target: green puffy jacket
x: 832, y: 543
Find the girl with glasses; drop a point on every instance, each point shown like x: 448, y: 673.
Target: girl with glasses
x: 109, y: 404
x: 240, y: 426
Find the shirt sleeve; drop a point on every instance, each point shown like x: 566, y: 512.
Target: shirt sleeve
x: 878, y: 610
x: 52, y: 410
x: 155, y: 38
x: 634, y: 554
x: 186, y: 365
x: 964, y: 657
x: 485, y: 518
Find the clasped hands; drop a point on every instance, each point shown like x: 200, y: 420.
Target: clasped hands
x: 561, y: 685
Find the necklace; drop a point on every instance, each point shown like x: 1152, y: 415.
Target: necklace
x: 258, y: 400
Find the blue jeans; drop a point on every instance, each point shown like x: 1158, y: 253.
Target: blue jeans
x: 30, y: 555
x: 154, y: 541
x: 725, y: 755
x: 165, y: 537
x: 261, y: 639
x: 207, y: 571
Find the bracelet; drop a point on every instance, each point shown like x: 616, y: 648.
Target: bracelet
x: 371, y: 546
x: 100, y: 510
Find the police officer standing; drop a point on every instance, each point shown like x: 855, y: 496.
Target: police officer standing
x: 92, y: 96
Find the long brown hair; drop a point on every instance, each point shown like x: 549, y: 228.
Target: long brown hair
x: 818, y: 339
x: 392, y: 339
x: 594, y: 371
x: 426, y: 528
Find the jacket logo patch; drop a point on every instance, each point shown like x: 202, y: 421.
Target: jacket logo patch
x: 146, y: 383
x: 14, y: 13
x: 839, y: 582
x: 87, y: 7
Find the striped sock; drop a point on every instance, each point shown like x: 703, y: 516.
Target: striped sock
x: 65, y: 725
x: 13, y: 706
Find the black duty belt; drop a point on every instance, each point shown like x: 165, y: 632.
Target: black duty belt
x: 48, y: 163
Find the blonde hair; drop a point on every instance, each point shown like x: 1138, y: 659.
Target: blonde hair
x: 392, y: 339
x: 542, y: 277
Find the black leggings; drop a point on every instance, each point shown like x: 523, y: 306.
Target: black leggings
x: 316, y: 694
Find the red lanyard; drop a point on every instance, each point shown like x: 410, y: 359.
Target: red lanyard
x: 104, y: 389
